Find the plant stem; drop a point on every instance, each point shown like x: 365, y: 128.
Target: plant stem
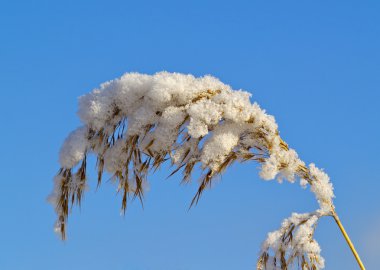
x: 348, y: 240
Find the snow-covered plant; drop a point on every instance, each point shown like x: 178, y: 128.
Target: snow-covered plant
x: 137, y: 122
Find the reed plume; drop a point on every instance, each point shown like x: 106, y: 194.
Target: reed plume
x: 137, y: 122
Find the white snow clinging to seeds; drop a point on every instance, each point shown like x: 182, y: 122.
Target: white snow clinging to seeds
x: 136, y: 122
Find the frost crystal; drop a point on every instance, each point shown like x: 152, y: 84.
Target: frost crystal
x: 292, y: 244
x: 136, y: 122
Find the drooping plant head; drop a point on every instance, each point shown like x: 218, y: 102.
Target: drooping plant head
x: 137, y: 122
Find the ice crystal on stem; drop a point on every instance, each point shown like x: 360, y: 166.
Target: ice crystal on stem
x: 135, y: 123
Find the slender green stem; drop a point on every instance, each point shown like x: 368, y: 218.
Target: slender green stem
x: 348, y: 240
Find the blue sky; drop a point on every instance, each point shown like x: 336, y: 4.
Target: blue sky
x: 315, y: 65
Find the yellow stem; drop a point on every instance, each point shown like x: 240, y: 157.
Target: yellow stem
x: 348, y: 240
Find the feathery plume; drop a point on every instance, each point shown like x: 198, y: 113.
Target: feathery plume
x: 135, y: 123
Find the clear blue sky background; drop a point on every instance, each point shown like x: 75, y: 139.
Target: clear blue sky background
x: 315, y: 65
